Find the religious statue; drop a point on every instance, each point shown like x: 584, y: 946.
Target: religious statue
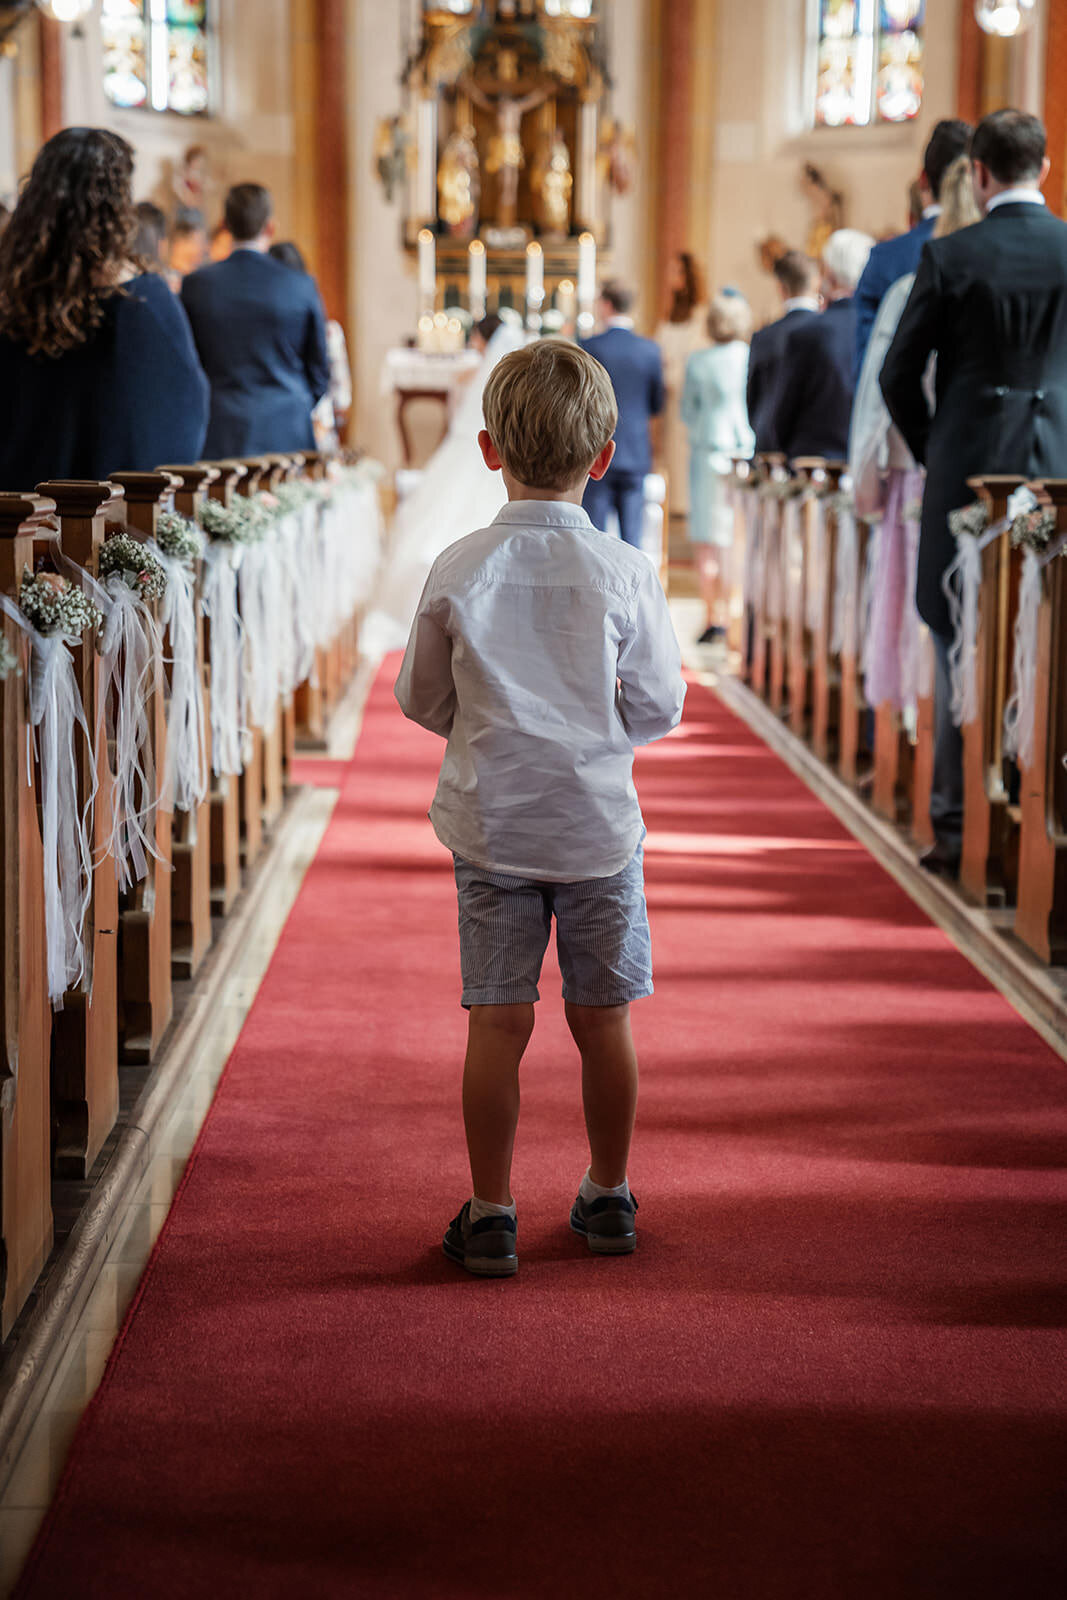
x: 554, y: 183
x: 617, y: 157
x: 192, y: 185
x: 506, y: 158
x: 828, y: 210
x: 392, y: 142
x: 458, y: 185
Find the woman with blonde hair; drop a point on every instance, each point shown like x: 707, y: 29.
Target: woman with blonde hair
x: 888, y: 485
x: 716, y: 416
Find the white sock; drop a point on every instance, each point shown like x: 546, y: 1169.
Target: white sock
x: 489, y: 1208
x: 593, y: 1191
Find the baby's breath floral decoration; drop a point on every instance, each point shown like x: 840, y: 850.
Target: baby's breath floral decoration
x: 781, y: 488
x: 128, y: 558
x: 179, y: 537
x: 290, y: 497
x: 52, y: 604
x: 1034, y: 529
x: 9, y: 661
x: 242, y: 522
x: 969, y: 519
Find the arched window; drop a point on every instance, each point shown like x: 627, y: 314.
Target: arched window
x: 157, y: 54
x: 869, y: 61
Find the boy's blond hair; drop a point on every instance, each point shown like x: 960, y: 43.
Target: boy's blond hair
x: 549, y: 410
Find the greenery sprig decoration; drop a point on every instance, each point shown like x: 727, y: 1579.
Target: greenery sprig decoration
x: 1034, y: 529
x: 125, y: 557
x: 969, y: 519
x: 179, y: 537
x: 52, y: 604
x: 9, y: 661
x: 242, y: 522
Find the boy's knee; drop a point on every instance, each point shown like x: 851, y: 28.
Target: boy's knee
x: 516, y: 1021
x: 590, y: 1019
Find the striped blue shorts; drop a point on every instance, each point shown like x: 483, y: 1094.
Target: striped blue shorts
x: 602, y: 938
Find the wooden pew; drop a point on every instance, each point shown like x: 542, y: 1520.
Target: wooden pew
x: 225, y: 789
x: 809, y: 470
x: 922, y: 763
x: 825, y: 669
x: 191, y: 932
x: 25, y: 1019
x: 85, y: 1079
x: 853, y: 739
x: 273, y: 470
x: 1041, y: 911
x: 989, y: 860
x: 145, y: 919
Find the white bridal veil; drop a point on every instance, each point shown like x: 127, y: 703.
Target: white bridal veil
x: 456, y: 495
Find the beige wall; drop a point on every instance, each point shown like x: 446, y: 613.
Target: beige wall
x: 250, y: 136
x: 762, y: 142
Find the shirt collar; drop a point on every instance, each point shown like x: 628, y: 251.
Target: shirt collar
x: 931, y: 212
x: 619, y: 322
x: 801, y: 302
x: 543, y: 514
x: 1011, y: 197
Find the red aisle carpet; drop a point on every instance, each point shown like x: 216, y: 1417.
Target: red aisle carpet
x: 835, y: 1368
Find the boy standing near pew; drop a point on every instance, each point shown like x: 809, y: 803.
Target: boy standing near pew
x: 543, y: 651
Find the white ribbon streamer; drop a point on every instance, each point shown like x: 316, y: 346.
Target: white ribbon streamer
x: 963, y: 610
x: 218, y: 599
x: 1019, y: 711
x: 184, y: 781
x: 56, y: 711
x: 815, y: 573
x: 131, y: 654
x: 846, y: 583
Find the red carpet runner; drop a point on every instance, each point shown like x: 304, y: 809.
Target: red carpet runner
x: 833, y: 1370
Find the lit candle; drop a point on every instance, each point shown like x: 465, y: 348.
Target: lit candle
x: 440, y: 330
x: 535, y: 275
x: 455, y: 334
x: 565, y: 304
x: 476, y: 279
x: 586, y: 272
x: 425, y: 333
x: 427, y: 268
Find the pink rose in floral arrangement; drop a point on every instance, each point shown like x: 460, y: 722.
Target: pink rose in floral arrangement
x: 54, y: 581
x: 270, y: 501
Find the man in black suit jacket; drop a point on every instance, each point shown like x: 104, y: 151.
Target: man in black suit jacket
x: 261, y: 336
x: 813, y: 405
x: 798, y: 284
x: 991, y: 301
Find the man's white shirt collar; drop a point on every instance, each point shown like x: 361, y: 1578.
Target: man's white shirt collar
x: 619, y: 322
x: 931, y: 212
x: 1011, y: 197
x: 801, y: 302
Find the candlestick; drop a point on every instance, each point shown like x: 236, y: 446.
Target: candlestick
x: 476, y: 279
x: 586, y: 273
x: 427, y: 269
x: 535, y: 275
x: 565, y: 301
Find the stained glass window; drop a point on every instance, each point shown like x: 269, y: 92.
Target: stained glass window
x: 869, y: 61
x: 156, y: 53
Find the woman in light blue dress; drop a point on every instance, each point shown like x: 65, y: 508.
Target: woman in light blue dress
x: 716, y: 417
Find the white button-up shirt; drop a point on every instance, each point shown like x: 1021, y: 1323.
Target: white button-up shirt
x: 543, y: 651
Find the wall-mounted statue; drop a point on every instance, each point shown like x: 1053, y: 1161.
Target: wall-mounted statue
x: 459, y: 184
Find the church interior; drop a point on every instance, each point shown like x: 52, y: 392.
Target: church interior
x: 234, y: 1359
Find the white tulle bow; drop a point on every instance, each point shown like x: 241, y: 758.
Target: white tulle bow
x: 218, y: 598
x: 184, y: 781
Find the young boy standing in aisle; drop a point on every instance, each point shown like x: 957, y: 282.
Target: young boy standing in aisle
x: 543, y: 651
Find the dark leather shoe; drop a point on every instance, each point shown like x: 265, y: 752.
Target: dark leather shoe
x: 941, y: 861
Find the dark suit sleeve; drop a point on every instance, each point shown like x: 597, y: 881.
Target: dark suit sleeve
x: 316, y: 359
x: 657, y: 398
x: 906, y: 362
x: 869, y: 295
x: 754, y: 382
x: 168, y: 396
x: 790, y: 401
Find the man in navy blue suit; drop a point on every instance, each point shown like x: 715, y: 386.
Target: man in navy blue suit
x: 261, y: 335
x: 895, y: 258
x: 813, y: 403
x: 635, y: 368
x: 798, y: 283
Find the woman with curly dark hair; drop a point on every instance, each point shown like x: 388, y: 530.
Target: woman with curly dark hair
x: 98, y: 370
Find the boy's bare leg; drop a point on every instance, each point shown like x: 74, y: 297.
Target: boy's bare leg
x: 609, y: 1086
x: 496, y: 1039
